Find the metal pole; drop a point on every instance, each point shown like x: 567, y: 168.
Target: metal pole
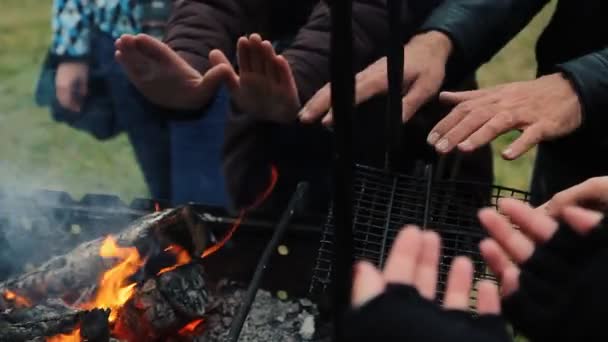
x: 293, y: 206
x: 394, y: 125
x: 342, y: 98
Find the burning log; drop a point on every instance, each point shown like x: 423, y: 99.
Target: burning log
x: 53, y: 318
x: 165, y: 305
x: 80, y: 268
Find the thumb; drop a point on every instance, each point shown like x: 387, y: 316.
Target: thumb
x: 528, y: 139
x: 417, y: 95
x: 367, y: 284
x: 222, y: 69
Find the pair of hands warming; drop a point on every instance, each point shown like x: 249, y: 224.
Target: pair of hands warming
x: 543, y: 109
x: 397, y: 302
x: 263, y: 88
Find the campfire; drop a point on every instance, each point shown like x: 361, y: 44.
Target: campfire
x: 147, y: 285
x: 164, y: 277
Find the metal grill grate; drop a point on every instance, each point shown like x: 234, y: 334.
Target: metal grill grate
x: 383, y: 203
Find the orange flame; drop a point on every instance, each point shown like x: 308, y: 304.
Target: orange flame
x: 20, y: 302
x: 191, y: 327
x: 274, y: 176
x: 74, y: 336
x: 114, y: 289
x: 182, y: 256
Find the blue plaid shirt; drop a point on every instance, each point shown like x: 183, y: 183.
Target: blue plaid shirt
x: 73, y: 21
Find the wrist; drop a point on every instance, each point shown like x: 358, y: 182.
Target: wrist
x: 439, y: 43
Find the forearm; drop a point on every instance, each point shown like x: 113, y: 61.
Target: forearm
x: 71, y: 29
x: 478, y: 29
x: 198, y: 26
x: 589, y: 76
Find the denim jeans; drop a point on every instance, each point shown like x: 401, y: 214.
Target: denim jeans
x: 196, y: 159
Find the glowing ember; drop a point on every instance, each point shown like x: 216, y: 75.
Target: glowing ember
x: 182, y: 257
x: 74, y: 336
x: 156, y: 206
x: 274, y: 176
x: 114, y: 287
x: 191, y: 327
x: 20, y: 302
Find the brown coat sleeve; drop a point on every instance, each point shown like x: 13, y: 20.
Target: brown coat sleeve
x: 198, y: 26
x: 309, y: 53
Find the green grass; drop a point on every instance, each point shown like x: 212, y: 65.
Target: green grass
x: 36, y: 152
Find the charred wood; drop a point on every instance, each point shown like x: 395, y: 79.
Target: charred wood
x: 81, y: 267
x: 163, y: 305
x: 52, y: 318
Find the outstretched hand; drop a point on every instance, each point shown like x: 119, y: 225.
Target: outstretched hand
x: 265, y: 87
x: 543, y: 109
x: 509, y: 248
x: 414, y: 261
x: 590, y: 194
x: 425, y: 56
x: 166, y: 79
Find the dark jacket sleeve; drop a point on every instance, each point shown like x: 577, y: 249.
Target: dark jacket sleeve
x: 198, y: 26
x: 589, y: 75
x: 309, y: 53
x: 479, y: 28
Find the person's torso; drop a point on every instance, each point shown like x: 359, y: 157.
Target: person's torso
x: 577, y: 28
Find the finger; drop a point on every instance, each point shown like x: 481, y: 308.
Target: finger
x: 463, y: 129
x: 400, y: 266
x: 496, y: 258
x: 371, y: 82
x: 417, y: 95
x: 428, y: 262
x: 213, y: 78
x: 135, y: 65
x: 456, y: 115
x: 328, y: 119
x: 285, y: 76
x: 589, y: 190
x: 454, y: 98
x: 120, y: 43
x: 156, y: 50
x: 582, y: 220
x: 317, y: 106
x: 500, y: 123
x: 270, y: 69
x: 257, y: 54
x: 510, y: 281
x: 536, y: 225
x: 528, y: 139
x: 458, y: 288
x: 243, y: 52
x: 488, y: 298
x: 125, y: 43
x: 64, y: 98
x: 367, y: 283
x: 518, y: 247
x: 217, y: 58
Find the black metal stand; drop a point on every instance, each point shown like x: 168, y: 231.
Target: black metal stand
x: 292, y: 208
x: 343, y: 95
x: 394, y: 124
